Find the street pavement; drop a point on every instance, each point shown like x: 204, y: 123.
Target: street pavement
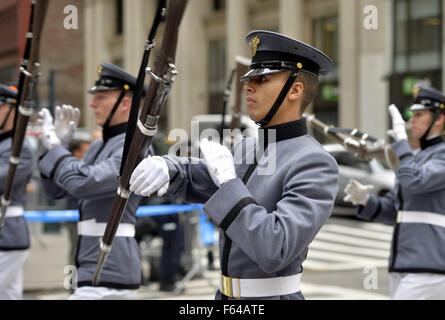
x: 346, y: 261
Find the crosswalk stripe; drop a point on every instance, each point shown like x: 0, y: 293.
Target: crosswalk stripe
x: 316, y: 291
x: 362, y: 224
x: 379, y: 253
x: 378, y: 227
x: 319, y: 266
x: 331, y: 256
x: 352, y: 241
x: 356, y: 232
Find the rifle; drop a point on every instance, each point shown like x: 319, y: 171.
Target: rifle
x: 360, y: 144
x: 225, y: 100
x: 242, y: 66
x: 29, y: 76
x: 149, y: 44
x: 158, y: 91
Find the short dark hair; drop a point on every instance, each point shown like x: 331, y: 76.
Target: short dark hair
x: 311, y: 87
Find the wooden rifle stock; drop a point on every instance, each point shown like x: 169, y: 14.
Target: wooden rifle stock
x: 25, y: 99
x: 159, y: 87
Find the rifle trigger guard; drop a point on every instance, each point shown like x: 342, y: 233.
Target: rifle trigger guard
x: 25, y: 72
x: 168, y: 78
x: 145, y: 131
x: 155, y: 77
x: 25, y: 111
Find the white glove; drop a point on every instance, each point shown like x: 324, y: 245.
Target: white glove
x: 398, y: 131
x: 357, y: 193
x: 48, y: 137
x: 220, y: 163
x: 66, y: 122
x: 150, y: 175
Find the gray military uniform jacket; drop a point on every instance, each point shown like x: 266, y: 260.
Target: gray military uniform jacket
x: 15, y: 235
x: 417, y: 246
x: 267, y: 223
x: 93, y: 180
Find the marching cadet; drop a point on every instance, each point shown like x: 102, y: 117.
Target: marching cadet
x: 267, y: 218
x: 93, y: 180
x: 14, y: 236
x: 416, y: 206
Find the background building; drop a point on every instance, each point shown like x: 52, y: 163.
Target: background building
x: 373, y: 66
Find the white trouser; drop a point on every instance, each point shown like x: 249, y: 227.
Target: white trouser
x: 416, y: 286
x: 11, y: 274
x: 102, y: 293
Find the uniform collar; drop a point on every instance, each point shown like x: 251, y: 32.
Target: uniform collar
x: 6, y: 135
x: 431, y: 142
x: 283, y: 131
x: 110, y: 132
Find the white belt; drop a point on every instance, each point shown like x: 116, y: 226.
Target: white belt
x: 256, y: 288
x: 97, y: 229
x: 14, y: 211
x: 421, y: 217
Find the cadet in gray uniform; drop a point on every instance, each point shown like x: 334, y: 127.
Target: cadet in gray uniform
x: 93, y: 180
x: 416, y: 206
x: 268, y: 210
x: 14, y: 236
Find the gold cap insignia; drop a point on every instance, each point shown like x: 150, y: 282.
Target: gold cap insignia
x: 415, y: 91
x: 126, y: 87
x: 253, y: 44
x: 99, y: 70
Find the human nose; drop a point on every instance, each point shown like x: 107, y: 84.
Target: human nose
x: 248, y: 87
x: 93, y: 103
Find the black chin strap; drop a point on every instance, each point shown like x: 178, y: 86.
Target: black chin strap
x: 436, y: 115
x: 280, y: 99
x: 110, y: 116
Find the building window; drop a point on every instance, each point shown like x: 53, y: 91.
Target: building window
x: 219, y: 5
x: 119, y: 17
x: 417, y: 49
x: 417, y: 35
x: 325, y: 38
x: 217, y: 74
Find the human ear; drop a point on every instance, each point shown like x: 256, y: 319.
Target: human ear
x: 126, y: 102
x: 296, y: 91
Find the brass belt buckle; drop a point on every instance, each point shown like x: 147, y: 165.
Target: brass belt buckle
x: 227, y: 286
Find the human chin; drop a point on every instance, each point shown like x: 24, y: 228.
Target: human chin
x: 417, y: 134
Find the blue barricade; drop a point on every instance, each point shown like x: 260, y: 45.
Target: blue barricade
x: 208, y: 235
x: 73, y: 215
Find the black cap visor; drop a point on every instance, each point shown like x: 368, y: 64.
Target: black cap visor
x: 102, y: 88
x: 259, y: 72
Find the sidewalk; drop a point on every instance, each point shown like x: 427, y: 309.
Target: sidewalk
x: 49, y: 255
